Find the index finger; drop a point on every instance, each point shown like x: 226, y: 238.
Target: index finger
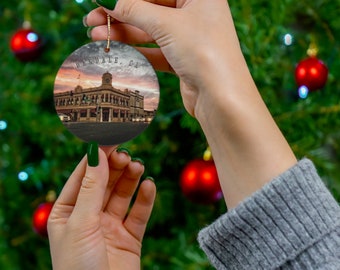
x: 98, y: 16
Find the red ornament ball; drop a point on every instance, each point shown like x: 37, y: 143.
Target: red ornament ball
x: 312, y: 73
x: 26, y: 44
x: 40, y: 217
x: 199, y: 182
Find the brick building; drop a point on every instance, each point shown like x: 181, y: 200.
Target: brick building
x: 104, y: 103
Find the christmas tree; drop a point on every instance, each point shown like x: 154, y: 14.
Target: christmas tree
x: 37, y: 153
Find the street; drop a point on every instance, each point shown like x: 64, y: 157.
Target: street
x: 106, y: 133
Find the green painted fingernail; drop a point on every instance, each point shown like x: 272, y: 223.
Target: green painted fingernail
x: 88, y: 32
x: 109, y: 4
x: 123, y: 150
x: 138, y: 160
x: 92, y: 154
x: 85, y: 21
x: 150, y: 178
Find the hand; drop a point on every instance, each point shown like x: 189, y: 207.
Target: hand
x: 197, y: 38
x: 198, y: 41
x: 89, y: 227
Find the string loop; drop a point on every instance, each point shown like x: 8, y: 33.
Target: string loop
x: 107, y: 48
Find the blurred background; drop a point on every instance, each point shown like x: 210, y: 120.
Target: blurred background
x: 37, y: 153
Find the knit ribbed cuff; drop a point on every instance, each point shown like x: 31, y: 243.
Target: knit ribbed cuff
x: 275, y: 224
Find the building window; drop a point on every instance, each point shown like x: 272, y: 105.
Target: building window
x: 93, y: 113
x: 83, y: 113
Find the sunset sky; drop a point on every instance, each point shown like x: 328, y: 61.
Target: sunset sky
x: 86, y: 66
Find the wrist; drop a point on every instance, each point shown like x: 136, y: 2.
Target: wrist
x: 225, y: 83
x: 248, y: 148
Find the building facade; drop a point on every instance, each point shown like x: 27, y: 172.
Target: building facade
x: 104, y: 103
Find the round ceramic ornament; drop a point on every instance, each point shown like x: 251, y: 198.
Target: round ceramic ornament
x: 106, y: 91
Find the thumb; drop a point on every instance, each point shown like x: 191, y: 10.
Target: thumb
x: 91, y: 193
x: 142, y: 14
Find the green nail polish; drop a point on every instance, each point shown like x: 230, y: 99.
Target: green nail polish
x: 92, y: 154
x: 150, y: 178
x: 138, y: 160
x: 123, y: 150
x: 109, y: 4
x: 85, y: 21
x: 88, y: 32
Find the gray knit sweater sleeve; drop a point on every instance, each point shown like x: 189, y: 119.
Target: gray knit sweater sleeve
x: 291, y: 223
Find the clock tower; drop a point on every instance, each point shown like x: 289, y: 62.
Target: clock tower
x: 107, y: 79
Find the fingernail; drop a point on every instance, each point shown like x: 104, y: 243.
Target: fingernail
x: 92, y: 154
x: 123, y: 150
x: 85, y: 21
x: 88, y: 32
x: 150, y: 178
x: 137, y: 160
x: 109, y: 4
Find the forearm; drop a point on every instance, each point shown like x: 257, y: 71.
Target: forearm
x: 248, y: 147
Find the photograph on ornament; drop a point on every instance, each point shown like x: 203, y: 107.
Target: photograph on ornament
x: 106, y: 96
